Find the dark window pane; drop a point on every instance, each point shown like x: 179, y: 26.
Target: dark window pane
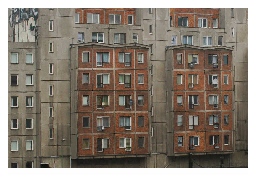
x: 85, y: 121
x: 141, y: 142
x: 14, y: 165
x: 141, y: 121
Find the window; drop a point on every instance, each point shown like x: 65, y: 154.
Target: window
x: 213, y: 59
x: 135, y: 37
x: 141, y: 142
x: 29, y: 145
x: 125, y: 143
x: 102, y: 143
x: 179, y: 100
x: 51, y: 133
x: 98, y: 37
x: 119, y: 38
x: 193, y: 58
x: 207, y: 40
x: 151, y: 49
x: 29, y: 123
x: 202, y: 22
x: 140, y: 100
x: 14, y: 101
x: 225, y: 59
x: 93, y: 18
x: 125, y: 122
x: 114, y: 19
x: 124, y: 100
x: 14, y: 145
x: 85, y: 58
x: 86, y: 123
x: 14, y: 165
x: 14, y: 123
x: 77, y: 17
x: 102, y: 100
x: 232, y: 12
x: 193, y: 120
x: 50, y: 111
x: 85, y: 78
x: 85, y: 100
x: 140, y: 58
x: 226, y: 139
x: 192, y: 79
x: 213, y: 80
x: 213, y: 99
x: 14, y: 58
x: 102, y: 79
x: 179, y: 58
x: 214, y: 140
x: 102, y: 122
x: 141, y: 121
x: 86, y: 143
x: 29, y: 79
x: 80, y: 37
x: 179, y: 79
x: 150, y: 10
x: 125, y: 79
x: 152, y: 111
x: 225, y: 99
x: 14, y: 80
x: 192, y: 100
x: 102, y: 57
x: 50, y: 25
x: 51, y: 47
x: 220, y: 40
x: 150, y: 29
x: 179, y: 120
x: 188, y: 40
x: 225, y: 79
x: 29, y: 101
x: 171, y: 21
x: 215, y: 23
x: 180, y: 141
x: 226, y: 119
x: 140, y: 78
x: 130, y: 19
x: 183, y: 21
x: 193, y: 141
x: 50, y: 90
x: 233, y: 32
x: 29, y: 164
x: 29, y: 58
x: 124, y: 58
x: 51, y: 68
x: 214, y: 120
x: 174, y: 40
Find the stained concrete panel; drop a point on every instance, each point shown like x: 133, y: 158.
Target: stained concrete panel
x: 241, y: 72
x: 241, y: 91
x: 241, y: 110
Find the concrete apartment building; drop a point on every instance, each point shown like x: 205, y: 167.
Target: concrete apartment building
x: 149, y: 88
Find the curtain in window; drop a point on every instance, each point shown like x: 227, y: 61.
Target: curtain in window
x: 209, y: 40
x: 121, y: 78
x: 85, y: 100
x: 105, y: 57
x: 121, y: 100
x: 174, y: 40
x: 189, y: 58
x: 179, y: 99
x: 191, y: 122
x: 111, y: 19
x: 140, y: 78
x: 179, y: 79
x: 179, y: 121
x: 190, y: 40
x: 105, y: 79
x: 95, y: 18
x: 14, y: 145
x: 204, y: 41
x: 199, y: 22
x: 116, y: 38
x: 184, y: 39
x: 211, y: 120
x: 14, y: 58
x: 215, y: 100
x: 211, y: 100
x: 105, y: 143
x: 215, y: 119
x: 99, y: 59
x: 28, y: 79
x: 104, y: 100
x: 85, y: 78
x: 195, y: 120
x: 127, y: 80
x: 29, y: 101
x: 128, y: 142
x: 121, y: 142
x: 215, y: 59
x: 127, y: 121
x: 28, y: 145
x: 117, y: 19
x: 100, y: 37
x: 194, y: 58
x: 122, y: 38
x: 105, y: 121
x: 89, y: 17
x: 121, y: 121
x: 190, y: 78
x: 226, y: 99
x: 29, y: 58
x: 121, y: 57
x: 127, y: 59
x: 99, y: 121
x: 179, y: 57
x: 215, y: 80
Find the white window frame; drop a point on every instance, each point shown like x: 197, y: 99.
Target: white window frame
x: 122, y: 58
x: 187, y: 39
x: 225, y: 83
x: 16, y: 60
x: 114, y: 19
x: 193, y: 81
x: 51, y: 133
x: 179, y: 99
x: 194, y: 58
x: 127, y: 122
x: 193, y: 121
x: 104, y: 141
x: 213, y: 119
x: 17, y: 78
x: 214, y: 139
x: 12, y: 102
x: 193, y: 99
x: 101, y: 61
x: 29, y: 101
x: 29, y: 79
x: 12, y: 123
x: 50, y: 47
x: 179, y: 58
x: 224, y: 140
x: 101, y: 120
x: 150, y: 10
x: 215, y: 80
x: 77, y: 17
x: 213, y: 97
x: 135, y: 37
x: 102, y: 101
x: 103, y: 79
x: 50, y: 90
x: 123, y: 97
x: 29, y: 143
x: 180, y: 141
x: 184, y: 22
x: 50, y: 25
x: 125, y: 83
x: 17, y: 145
x: 31, y: 123
x: 96, y: 35
x: 84, y: 77
x: 207, y: 41
x: 31, y: 58
x: 83, y: 57
x: 117, y: 38
x: 215, y: 23
x: 83, y: 99
x: 179, y: 120
x: 181, y: 77
x: 140, y: 78
x: 124, y: 143
x: 202, y: 23
x: 87, y: 139
x: 93, y: 18
x: 198, y: 139
x: 140, y: 57
x: 174, y: 40
x: 80, y: 37
x: 128, y: 19
x: 140, y: 100
x: 51, y: 114
x: 51, y: 68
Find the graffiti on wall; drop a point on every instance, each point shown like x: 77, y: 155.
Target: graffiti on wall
x: 23, y: 22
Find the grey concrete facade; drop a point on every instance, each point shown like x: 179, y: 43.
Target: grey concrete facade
x: 60, y: 150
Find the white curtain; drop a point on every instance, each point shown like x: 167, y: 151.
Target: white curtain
x: 85, y: 100
x: 179, y: 99
x: 105, y: 79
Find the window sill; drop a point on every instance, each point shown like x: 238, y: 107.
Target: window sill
x: 29, y: 128
x: 14, y: 128
x: 30, y: 85
x: 29, y: 63
x: 14, y: 106
x: 29, y: 106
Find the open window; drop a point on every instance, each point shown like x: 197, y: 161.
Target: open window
x: 213, y: 80
x: 102, y: 143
